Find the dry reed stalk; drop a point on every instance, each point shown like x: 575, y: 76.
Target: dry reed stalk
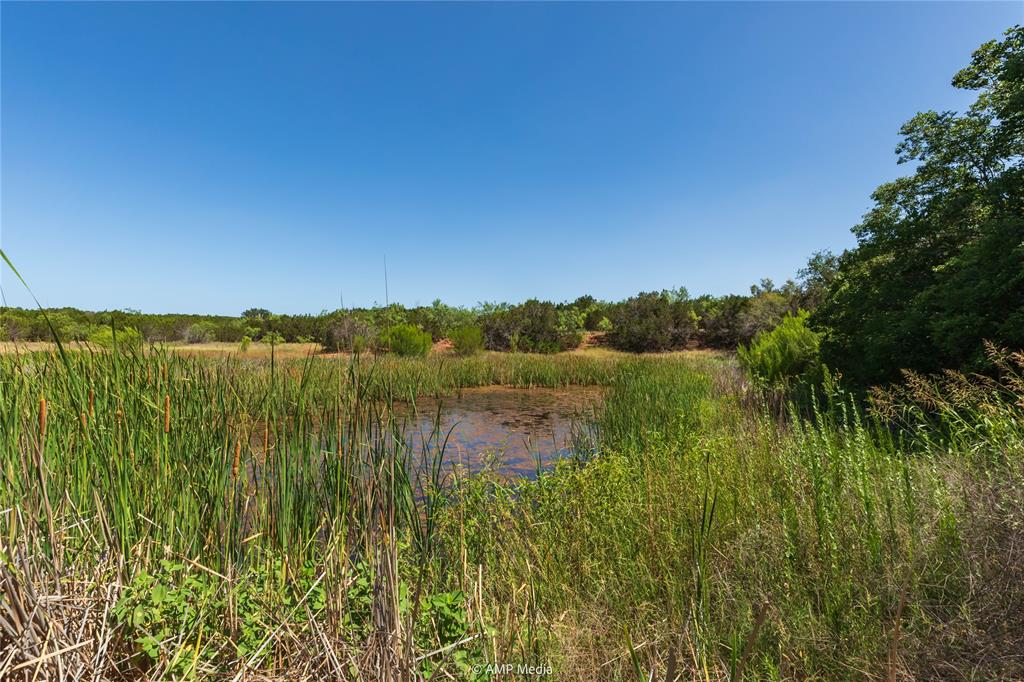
x: 748, y: 648
x: 894, y: 641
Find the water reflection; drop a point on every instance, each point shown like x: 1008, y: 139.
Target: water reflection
x: 514, y: 429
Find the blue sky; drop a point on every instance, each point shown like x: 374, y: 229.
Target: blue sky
x: 213, y: 157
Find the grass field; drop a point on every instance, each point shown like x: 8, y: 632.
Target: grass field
x: 170, y: 515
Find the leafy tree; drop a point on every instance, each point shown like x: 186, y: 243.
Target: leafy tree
x: 816, y: 277
x: 720, y: 320
x: 121, y: 337
x: 764, y: 311
x: 653, y: 321
x: 201, y: 332
x: 533, y: 327
x: 261, y: 314
x: 939, y: 263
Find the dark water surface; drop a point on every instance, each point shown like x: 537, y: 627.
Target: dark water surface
x: 511, y: 429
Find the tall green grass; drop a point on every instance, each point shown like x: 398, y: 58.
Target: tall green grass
x: 730, y: 543
x: 214, y: 517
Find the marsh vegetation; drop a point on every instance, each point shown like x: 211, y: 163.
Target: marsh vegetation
x: 832, y: 488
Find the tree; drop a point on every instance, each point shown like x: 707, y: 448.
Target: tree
x: 261, y: 314
x: 653, y: 321
x: 939, y: 264
x: 816, y: 277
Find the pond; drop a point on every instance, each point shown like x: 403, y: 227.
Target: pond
x: 515, y: 430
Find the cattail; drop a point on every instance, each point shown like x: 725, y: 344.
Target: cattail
x: 42, y: 418
x: 167, y: 414
x: 266, y: 438
x: 238, y: 454
x: 92, y: 403
x: 339, y: 435
x: 85, y: 422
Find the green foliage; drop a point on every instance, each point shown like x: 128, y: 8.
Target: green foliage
x: 156, y: 608
x: 784, y: 355
x: 533, y: 327
x: 406, y: 340
x: 348, y: 332
x: 201, y: 332
x: 468, y: 340
x: 272, y: 337
x: 939, y: 263
x: 124, y: 337
x: 243, y: 345
x: 655, y: 321
x: 673, y: 485
x: 440, y: 320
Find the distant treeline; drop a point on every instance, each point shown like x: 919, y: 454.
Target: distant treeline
x: 937, y: 276
x: 654, y: 321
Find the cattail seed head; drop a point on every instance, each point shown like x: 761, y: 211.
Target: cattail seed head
x: 238, y: 455
x: 92, y: 403
x: 42, y: 418
x: 167, y: 414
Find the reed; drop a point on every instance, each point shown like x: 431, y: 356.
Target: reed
x: 168, y: 516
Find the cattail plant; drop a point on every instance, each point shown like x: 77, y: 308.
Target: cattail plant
x: 234, y: 464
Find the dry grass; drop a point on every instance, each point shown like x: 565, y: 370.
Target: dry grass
x: 258, y: 351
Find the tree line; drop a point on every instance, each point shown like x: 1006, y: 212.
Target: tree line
x: 649, y: 321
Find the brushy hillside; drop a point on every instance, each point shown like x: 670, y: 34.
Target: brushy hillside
x: 172, y: 517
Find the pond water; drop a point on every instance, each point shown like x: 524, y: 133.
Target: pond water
x: 514, y: 430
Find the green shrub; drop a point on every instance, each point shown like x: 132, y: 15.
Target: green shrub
x: 654, y: 321
x: 243, y: 345
x: 201, y: 332
x: 273, y: 338
x: 467, y: 340
x: 786, y: 354
x: 440, y: 320
x: 533, y: 327
x: 406, y: 340
x: 126, y: 337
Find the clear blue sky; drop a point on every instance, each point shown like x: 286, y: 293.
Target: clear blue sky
x: 212, y: 157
